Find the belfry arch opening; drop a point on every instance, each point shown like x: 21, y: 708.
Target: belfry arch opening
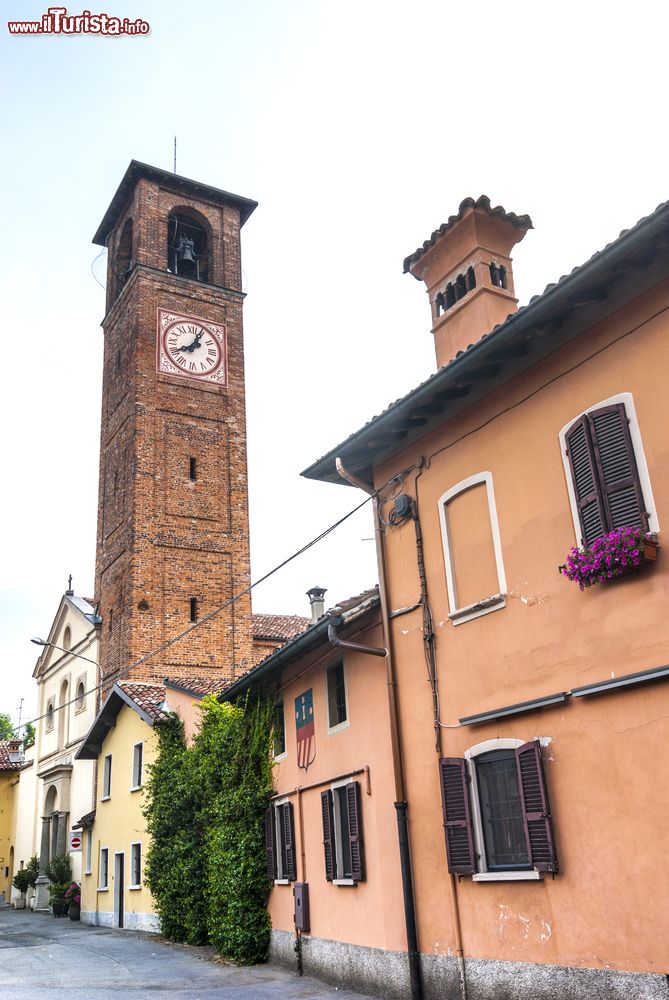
x: 188, y: 244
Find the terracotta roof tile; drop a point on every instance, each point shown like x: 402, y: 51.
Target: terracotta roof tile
x: 521, y: 221
x: 5, y: 763
x: 148, y: 697
x: 281, y: 627
x: 199, y: 685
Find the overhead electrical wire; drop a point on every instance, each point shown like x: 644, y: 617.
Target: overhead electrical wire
x: 118, y: 674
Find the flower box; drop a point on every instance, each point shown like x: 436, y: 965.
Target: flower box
x: 615, y: 554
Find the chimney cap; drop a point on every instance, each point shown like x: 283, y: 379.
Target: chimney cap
x: 481, y: 204
x: 316, y: 593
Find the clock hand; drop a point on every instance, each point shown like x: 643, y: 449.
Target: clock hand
x: 193, y: 344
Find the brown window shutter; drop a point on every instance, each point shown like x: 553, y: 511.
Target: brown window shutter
x: 617, y: 468
x: 457, y: 815
x: 328, y: 835
x: 589, y: 499
x: 270, y: 842
x: 355, y: 831
x: 536, y: 808
x: 288, y: 827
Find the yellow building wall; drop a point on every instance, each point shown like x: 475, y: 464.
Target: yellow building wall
x: 8, y: 787
x: 118, y: 824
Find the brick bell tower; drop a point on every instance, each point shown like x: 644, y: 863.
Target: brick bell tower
x: 173, y: 533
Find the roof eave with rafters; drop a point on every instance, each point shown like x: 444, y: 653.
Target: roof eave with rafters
x: 106, y: 720
x: 610, y: 279
x: 136, y: 171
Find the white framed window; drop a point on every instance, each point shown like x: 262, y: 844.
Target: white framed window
x: 89, y: 853
x: 475, y: 524
x: 135, y: 865
x: 337, y: 698
x: 106, y: 777
x: 497, y: 816
x: 280, y: 850
x: 137, y: 766
x: 342, y: 833
x: 103, y: 876
x: 49, y: 716
x: 279, y: 732
x: 605, y: 469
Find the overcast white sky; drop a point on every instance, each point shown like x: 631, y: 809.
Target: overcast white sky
x: 359, y: 127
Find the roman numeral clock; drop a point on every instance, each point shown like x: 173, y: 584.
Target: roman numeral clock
x: 191, y: 348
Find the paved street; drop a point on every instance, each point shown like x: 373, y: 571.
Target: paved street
x: 42, y: 957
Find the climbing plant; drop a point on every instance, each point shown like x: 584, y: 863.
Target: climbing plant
x: 205, y: 807
x: 174, y: 869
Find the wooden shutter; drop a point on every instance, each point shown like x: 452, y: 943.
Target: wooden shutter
x: 584, y: 476
x: 536, y: 808
x: 328, y: 835
x: 457, y: 816
x: 355, y: 831
x: 270, y: 843
x: 289, y: 841
x: 617, y: 469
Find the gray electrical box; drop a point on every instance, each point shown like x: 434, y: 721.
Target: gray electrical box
x: 301, y: 897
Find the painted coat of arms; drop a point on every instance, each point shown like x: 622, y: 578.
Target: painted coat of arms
x: 304, y: 724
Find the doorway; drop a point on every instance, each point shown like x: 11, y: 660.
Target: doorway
x: 119, y: 877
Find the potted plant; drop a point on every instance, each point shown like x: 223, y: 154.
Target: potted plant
x: 33, y: 869
x: 73, y: 897
x: 57, y: 899
x: 21, y: 881
x: 612, y: 555
x: 59, y: 871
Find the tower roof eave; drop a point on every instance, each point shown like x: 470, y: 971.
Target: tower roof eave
x: 136, y: 171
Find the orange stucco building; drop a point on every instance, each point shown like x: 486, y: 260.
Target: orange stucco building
x: 532, y: 714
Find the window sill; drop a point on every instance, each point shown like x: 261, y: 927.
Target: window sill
x: 532, y: 876
x: 135, y: 887
x: 89, y: 872
x: 338, y: 728
x: 277, y: 757
x: 281, y: 881
x: 344, y: 881
x: 103, y: 888
x: 105, y: 798
x: 135, y: 788
x: 482, y: 607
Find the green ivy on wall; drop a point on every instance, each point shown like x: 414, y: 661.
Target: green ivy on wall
x: 204, y: 810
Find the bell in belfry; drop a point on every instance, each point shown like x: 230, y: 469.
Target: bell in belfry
x: 187, y: 261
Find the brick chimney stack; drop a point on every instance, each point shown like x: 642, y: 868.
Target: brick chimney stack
x: 466, y: 266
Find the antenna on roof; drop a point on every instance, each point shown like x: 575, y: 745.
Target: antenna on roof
x: 175, y: 154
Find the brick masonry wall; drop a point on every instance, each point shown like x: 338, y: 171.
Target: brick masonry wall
x: 162, y: 537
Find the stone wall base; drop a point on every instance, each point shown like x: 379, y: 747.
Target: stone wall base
x: 386, y: 974
x: 131, y: 921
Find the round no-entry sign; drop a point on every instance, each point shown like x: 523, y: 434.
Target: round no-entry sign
x: 75, y: 842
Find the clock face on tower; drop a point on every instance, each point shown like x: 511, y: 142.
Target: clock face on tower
x: 191, y: 348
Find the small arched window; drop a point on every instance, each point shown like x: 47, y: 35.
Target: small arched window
x: 81, y: 695
x: 67, y: 637
x: 471, y: 279
x: 49, y: 716
x: 440, y: 303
